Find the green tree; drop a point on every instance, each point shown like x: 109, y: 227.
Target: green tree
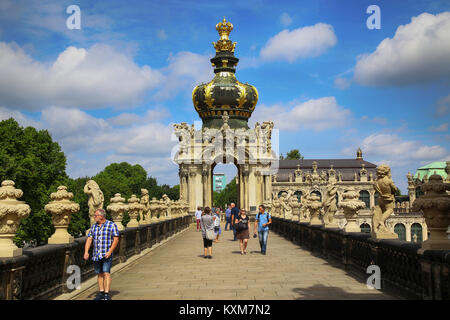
x: 227, y: 195
x: 294, y: 154
x: 37, y: 166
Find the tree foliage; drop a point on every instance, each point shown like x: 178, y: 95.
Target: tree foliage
x: 227, y: 195
x: 294, y: 154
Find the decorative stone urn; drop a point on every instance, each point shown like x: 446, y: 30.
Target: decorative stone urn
x: 313, y: 205
x: 11, y: 212
x: 117, y: 207
x: 351, y: 205
x: 61, y: 209
x: 154, y: 209
x: 295, y: 205
x: 134, y: 206
x: 435, y: 204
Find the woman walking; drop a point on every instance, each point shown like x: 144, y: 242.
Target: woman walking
x: 243, y: 234
x: 217, y: 228
x: 207, y: 225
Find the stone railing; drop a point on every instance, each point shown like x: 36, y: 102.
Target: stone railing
x: 41, y: 272
x: 405, y: 270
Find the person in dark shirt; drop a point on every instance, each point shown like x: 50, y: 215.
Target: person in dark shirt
x: 234, y: 216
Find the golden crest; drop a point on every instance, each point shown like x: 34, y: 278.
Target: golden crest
x: 193, y: 99
x: 242, y: 93
x: 208, y: 92
x: 256, y: 98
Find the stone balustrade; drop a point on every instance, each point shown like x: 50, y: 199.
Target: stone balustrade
x: 41, y: 272
x: 405, y: 270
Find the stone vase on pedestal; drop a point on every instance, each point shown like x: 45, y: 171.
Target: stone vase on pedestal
x: 435, y: 204
x: 11, y: 212
x: 61, y: 209
x: 351, y: 205
x: 117, y: 208
x: 134, y: 207
x: 314, y: 205
x: 154, y: 209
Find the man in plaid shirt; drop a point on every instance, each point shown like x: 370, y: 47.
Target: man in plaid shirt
x: 105, y: 235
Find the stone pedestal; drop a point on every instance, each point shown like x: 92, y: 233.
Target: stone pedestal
x: 351, y: 204
x: 11, y: 212
x: 435, y: 204
x: 117, y: 208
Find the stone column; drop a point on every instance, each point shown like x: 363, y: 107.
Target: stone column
x: 117, y: 208
x: 61, y: 208
x: 191, y: 187
x: 435, y: 204
x: 351, y: 204
x: 133, y: 211
x: 11, y: 212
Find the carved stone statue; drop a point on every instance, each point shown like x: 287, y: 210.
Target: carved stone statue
x: 276, y: 206
x: 168, y: 203
x: 295, y: 206
x: 117, y: 208
x: 386, y: 203
x: 134, y: 207
x: 286, y: 208
x: 329, y: 206
x: 314, y: 205
x: 351, y: 205
x: 144, y: 215
x: 95, y: 198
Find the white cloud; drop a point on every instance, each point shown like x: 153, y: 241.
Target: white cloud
x: 315, y: 114
x: 442, y: 128
x: 128, y: 119
x: 184, y: 69
x: 285, y: 19
x: 443, y: 106
x: 299, y: 43
x: 342, y: 83
x: 91, y: 78
x: 419, y: 52
x: 162, y: 35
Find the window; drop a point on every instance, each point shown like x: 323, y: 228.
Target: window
x: 365, y: 196
x: 299, y: 195
x: 400, y: 230
x: 318, y: 194
x: 376, y: 198
x: 419, y: 192
x: 365, y: 227
x: 416, y: 229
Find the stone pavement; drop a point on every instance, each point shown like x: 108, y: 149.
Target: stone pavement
x: 177, y: 270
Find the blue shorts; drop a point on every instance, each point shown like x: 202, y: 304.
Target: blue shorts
x: 103, y: 265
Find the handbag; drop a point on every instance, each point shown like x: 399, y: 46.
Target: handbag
x: 210, y: 234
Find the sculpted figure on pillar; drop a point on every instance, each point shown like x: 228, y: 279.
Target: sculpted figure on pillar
x: 95, y: 198
x: 276, y: 206
x: 144, y: 215
x: 329, y: 205
x: 168, y: 203
x: 286, y: 210
x: 386, y: 203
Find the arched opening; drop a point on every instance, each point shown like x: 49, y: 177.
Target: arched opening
x: 364, y: 196
x: 298, y: 194
x: 280, y: 193
x: 225, y: 188
x: 416, y: 233
x: 365, y: 227
x: 318, y: 194
x: 400, y: 230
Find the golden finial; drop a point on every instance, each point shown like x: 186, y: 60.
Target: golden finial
x: 359, y: 154
x: 224, y: 44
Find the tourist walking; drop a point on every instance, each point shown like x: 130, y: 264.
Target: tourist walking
x: 198, y: 216
x: 217, y: 228
x: 234, y: 216
x: 208, y: 234
x: 262, y: 222
x: 105, y: 236
x: 242, y: 232
x: 228, y: 217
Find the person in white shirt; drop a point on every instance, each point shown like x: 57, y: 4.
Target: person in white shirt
x: 198, y: 216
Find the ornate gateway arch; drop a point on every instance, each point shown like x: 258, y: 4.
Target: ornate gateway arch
x: 224, y: 104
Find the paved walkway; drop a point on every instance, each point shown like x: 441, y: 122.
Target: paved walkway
x: 177, y: 270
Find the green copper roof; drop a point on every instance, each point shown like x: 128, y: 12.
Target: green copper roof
x: 430, y: 169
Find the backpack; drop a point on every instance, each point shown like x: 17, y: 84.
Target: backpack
x: 268, y: 217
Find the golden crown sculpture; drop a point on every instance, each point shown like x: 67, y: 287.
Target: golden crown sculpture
x: 224, y: 43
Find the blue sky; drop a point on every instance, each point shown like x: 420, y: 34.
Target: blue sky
x: 112, y: 90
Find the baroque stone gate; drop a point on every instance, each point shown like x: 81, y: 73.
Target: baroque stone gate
x: 224, y: 104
